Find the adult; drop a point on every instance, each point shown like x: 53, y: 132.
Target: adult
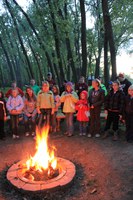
x: 34, y: 87
x: 81, y: 85
x: 50, y: 80
x: 124, y: 82
x: 14, y: 87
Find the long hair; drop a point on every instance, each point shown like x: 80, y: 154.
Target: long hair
x: 27, y: 95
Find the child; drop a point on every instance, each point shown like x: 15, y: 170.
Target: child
x: 82, y: 115
x: 69, y: 98
x: 114, y: 104
x: 14, y: 106
x: 57, y: 102
x: 96, y: 99
x: 2, y: 115
x: 45, y: 104
x: 30, y: 111
x: 128, y: 114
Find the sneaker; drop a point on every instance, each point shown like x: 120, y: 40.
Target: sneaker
x: 17, y: 136
x: 97, y: 135
x: 80, y: 134
x: 33, y: 134
x: 115, y: 137
x: 106, y: 134
x: 66, y: 133
x: 89, y: 135
x: 27, y: 134
x: 14, y: 136
x: 70, y: 134
x: 84, y: 134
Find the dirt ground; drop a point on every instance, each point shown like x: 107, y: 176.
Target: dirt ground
x: 104, y: 168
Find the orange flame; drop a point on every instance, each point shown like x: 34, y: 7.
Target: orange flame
x: 43, y: 158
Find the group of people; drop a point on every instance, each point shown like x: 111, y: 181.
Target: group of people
x: 39, y: 106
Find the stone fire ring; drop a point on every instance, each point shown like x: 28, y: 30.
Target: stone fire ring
x: 65, y: 177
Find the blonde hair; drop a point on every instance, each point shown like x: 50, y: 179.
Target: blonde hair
x: 45, y: 82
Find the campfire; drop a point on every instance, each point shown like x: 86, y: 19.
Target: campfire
x: 43, y: 171
x: 43, y: 165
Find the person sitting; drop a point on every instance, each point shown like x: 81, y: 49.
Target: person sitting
x: 81, y: 85
x: 34, y: 87
x: 30, y: 111
x: 50, y: 80
x: 124, y: 83
x: 14, y: 87
x: 15, y: 105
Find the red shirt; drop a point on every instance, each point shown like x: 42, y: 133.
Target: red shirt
x: 82, y: 114
x: 9, y: 92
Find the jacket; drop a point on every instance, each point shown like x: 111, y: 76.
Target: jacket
x: 15, y: 103
x: 82, y: 108
x: 115, y: 101
x: 69, y: 100
x: 96, y: 98
x: 45, y: 100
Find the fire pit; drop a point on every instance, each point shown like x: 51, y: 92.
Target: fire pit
x: 43, y: 171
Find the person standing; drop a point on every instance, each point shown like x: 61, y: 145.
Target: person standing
x: 96, y: 99
x: 50, y: 80
x: 69, y: 98
x: 124, y: 83
x: 114, y: 105
x: 45, y: 104
x: 128, y: 114
x: 3, y: 114
x: 82, y: 114
x: 81, y: 85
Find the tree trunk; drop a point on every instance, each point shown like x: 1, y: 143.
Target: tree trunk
x: 110, y: 37
x: 83, y: 38
x: 106, y: 68
x: 57, y: 41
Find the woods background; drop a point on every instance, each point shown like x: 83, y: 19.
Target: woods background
x: 51, y: 35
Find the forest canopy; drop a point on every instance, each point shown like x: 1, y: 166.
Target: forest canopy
x: 51, y: 35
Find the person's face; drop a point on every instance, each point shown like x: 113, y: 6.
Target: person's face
x: 115, y: 86
x: 82, y: 96
x: 49, y: 77
x: 45, y: 87
x: 130, y: 92
x: 54, y: 89
x: 14, y: 93
x: 94, y: 84
x: 14, y: 85
x: 68, y: 88
x: 82, y: 80
x: 32, y: 82
x: 120, y: 78
x: 29, y: 92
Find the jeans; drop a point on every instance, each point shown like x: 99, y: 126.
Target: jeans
x: 44, y: 117
x: 113, y: 117
x: 82, y: 127
x: 95, y: 120
x: 69, y: 123
x: 29, y: 122
x: 14, y: 124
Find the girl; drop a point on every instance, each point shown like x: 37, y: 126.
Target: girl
x: 30, y: 111
x: 69, y: 98
x: 128, y: 114
x: 96, y: 99
x: 2, y: 115
x: 82, y: 115
x: 114, y: 104
x: 14, y: 106
x: 57, y: 102
x: 45, y: 104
